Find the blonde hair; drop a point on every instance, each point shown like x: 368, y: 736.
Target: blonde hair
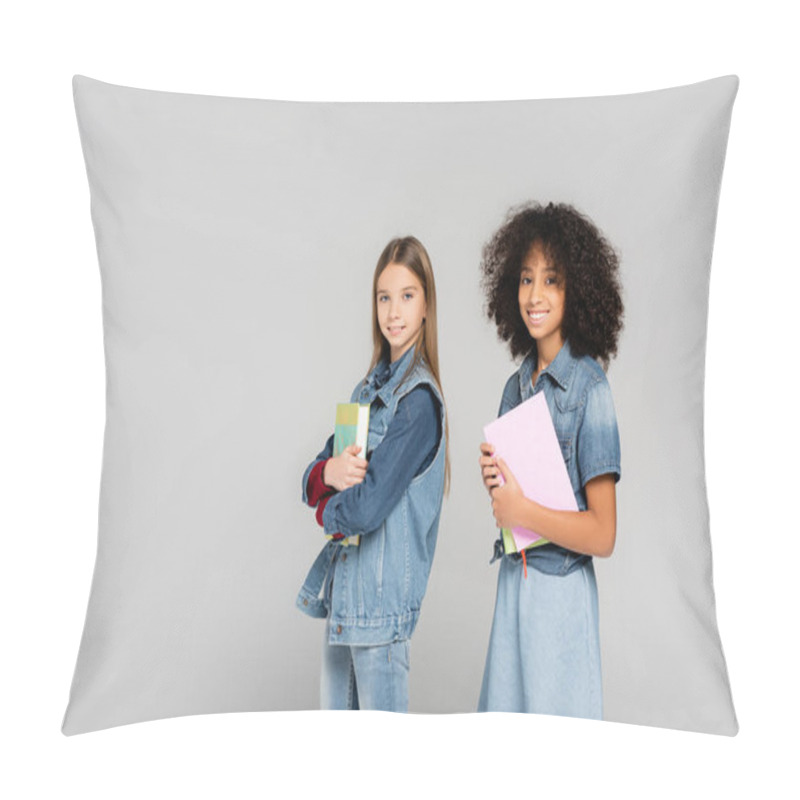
x: 409, y: 252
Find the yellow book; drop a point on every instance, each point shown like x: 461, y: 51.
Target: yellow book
x: 352, y: 427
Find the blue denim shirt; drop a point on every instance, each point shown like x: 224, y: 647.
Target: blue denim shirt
x: 579, y: 400
x: 372, y: 593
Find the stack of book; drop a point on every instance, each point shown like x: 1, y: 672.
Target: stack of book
x: 352, y: 427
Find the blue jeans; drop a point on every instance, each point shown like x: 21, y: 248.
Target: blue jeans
x: 372, y: 677
x: 544, y: 650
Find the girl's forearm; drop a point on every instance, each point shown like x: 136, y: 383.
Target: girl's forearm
x: 581, y: 531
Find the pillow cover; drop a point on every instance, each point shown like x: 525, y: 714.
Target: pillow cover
x: 236, y: 241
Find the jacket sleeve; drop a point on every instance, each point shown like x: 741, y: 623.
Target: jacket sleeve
x: 324, y: 455
x: 316, y: 489
x: 407, y: 448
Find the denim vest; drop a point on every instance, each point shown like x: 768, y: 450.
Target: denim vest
x: 373, y: 592
x: 579, y: 400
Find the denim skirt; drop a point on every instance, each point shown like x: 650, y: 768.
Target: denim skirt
x: 544, y: 649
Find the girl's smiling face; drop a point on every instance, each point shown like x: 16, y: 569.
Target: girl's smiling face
x: 401, y: 307
x: 542, y: 301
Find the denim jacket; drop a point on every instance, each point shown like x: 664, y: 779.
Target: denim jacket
x: 579, y: 400
x: 372, y: 593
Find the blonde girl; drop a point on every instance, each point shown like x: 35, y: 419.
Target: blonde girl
x: 391, y: 496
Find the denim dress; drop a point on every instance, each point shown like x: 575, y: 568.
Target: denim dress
x: 544, y: 648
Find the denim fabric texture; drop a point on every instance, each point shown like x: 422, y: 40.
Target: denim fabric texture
x: 406, y: 451
x: 544, y: 648
x: 373, y: 678
x: 372, y: 593
x: 579, y: 400
x: 544, y: 651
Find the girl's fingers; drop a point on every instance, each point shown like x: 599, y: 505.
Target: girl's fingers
x: 350, y: 454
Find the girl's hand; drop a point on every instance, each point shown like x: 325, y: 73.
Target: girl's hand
x: 507, y: 500
x: 345, y: 470
x: 489, y: 471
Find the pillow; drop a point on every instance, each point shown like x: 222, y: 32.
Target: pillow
x: 236, y: 241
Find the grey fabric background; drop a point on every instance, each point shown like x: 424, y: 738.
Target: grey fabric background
x: 236, y: 241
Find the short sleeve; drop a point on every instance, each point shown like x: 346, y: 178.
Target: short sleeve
x: 598, y: 448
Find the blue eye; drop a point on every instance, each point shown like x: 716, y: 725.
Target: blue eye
x: 382, y: 298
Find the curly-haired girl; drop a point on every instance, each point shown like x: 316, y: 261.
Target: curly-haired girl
x: 552, y: 289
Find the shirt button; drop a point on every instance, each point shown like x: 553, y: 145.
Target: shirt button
x: 344, y: 556
x: 338, y: 629
x: 305, y: 602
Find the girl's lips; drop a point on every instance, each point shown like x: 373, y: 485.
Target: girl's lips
x: 395, y: 329
x: 537, y: 316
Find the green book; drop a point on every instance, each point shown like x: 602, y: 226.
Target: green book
x: 510, y: 546
x: 352, y: 427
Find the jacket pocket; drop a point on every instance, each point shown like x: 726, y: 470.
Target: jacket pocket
x: 372, y: 554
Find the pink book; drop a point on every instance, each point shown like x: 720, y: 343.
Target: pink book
x: 526, y: 440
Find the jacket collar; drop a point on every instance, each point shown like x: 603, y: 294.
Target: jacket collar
x: 559, y: 370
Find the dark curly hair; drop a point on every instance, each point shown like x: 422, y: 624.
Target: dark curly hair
x: 584, y: 261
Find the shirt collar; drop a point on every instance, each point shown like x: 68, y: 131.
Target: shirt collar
x: 386, y: 371
x: 402, y: 362
x: 560, y: 369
